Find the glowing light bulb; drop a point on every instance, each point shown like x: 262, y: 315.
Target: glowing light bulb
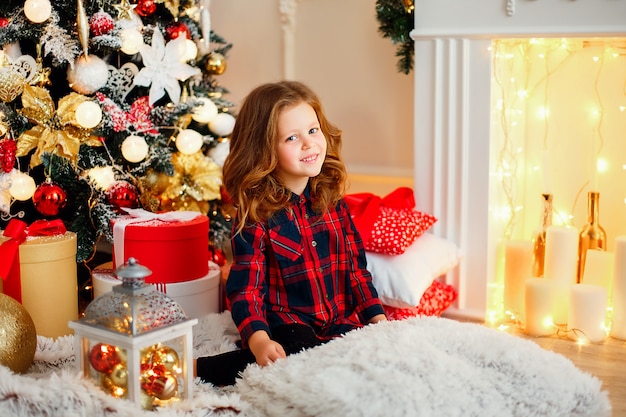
x: 134, y: 148
x: 205, y: 112
x: 88, y: 114
x: 103, y: 177
x: 37, y: 11
x: 22, y: 185
x: 189, y: 141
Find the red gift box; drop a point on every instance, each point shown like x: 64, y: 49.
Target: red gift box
x: 174, y: 250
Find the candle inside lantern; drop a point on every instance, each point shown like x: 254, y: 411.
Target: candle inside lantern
x: 539, y: 298
x: 587, y: 313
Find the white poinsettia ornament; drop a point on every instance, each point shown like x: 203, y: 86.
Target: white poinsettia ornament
x: 163, y: 68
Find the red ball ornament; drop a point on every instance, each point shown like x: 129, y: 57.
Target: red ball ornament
x: 145, y: 7
x: 101, y: 23
x: 175, y: 29
x: 218, y: 257
x: 4, y: 22
x: 49, y: 198
x: 122, y: 194
x: 103, y: 358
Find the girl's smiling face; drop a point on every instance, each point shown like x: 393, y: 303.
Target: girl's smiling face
x: 301, y: 146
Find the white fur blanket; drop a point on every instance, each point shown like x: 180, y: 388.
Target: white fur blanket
x: 424, y: 366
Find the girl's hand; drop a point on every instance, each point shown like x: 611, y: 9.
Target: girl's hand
x: 377, y: 318
x: 264, y: 349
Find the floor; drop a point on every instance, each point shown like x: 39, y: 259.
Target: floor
x: 606, y: 361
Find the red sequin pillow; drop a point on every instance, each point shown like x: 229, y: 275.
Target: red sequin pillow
x: 435, y: 300
x: 395, y: 230
x: 389, y: 224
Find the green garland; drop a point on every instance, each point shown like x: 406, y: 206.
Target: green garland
x: 396, y: 18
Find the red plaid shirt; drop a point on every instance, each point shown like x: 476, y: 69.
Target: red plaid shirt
x: 301, y: 267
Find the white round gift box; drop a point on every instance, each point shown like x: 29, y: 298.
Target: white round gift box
x: 197, y: 297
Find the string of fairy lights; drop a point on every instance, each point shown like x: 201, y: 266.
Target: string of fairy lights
x: 558, y: 117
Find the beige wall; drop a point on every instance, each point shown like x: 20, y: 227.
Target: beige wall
x: 340, y: 54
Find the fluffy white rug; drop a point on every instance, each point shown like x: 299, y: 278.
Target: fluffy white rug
x: 417, y: 367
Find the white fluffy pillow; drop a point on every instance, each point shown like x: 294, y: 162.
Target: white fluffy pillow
x: 402, y: 279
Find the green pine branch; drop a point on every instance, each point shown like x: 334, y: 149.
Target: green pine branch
x: 396, y: 23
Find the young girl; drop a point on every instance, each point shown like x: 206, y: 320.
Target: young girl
x: 299, y: 274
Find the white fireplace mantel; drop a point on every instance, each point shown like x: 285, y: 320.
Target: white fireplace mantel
x: 452, y: 111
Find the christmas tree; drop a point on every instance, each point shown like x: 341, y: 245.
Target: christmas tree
x: 106, y: 105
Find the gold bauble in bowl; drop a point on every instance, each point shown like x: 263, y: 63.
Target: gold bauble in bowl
x: 18, y: 337
x: 215, y: 63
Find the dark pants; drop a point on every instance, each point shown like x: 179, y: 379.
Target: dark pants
x: 222, y: 369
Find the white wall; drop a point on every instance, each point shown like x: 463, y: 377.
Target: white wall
x: 340, y: 54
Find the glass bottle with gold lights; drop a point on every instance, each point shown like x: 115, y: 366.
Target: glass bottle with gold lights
x: 592, y: 235
x: 539, y: 246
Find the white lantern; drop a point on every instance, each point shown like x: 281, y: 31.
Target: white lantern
x: 134, y: 148
x: 22, y: 186
x: 132, y: 39
x: 205, y: 112
x: 136, y: 342
x: 88, y: 114
x: 37, y: 11
x: 222, y: 124
x: 189, y: 141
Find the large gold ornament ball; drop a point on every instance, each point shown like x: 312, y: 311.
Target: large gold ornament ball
x: 18, y: 337
x: 215, y: 63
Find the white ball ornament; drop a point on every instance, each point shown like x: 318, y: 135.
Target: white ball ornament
x: 189, y: 141
x: 132, y: 39
x: 103, y: 177
x: 88, y: 114
x: 222, y: 124
x: 89, y: 74
x: 134, y: 148
x: 205, y: 112
x: 219, y: 153
x: 22, y: 186
x: 191, y: 50
x: 37, y: 11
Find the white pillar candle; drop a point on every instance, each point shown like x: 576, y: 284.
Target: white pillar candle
x: 518, y: 260
x: 599, y: 268
x: 539, y: 300
x: 618, y: 328
x: 587, y: 313
x: 561, y: 262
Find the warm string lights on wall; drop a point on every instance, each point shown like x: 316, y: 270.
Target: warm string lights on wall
x: 558, y: 122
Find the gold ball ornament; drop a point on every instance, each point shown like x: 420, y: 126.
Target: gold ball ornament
x: 18, y: 337
x: 11, y: 84
x: 111, y: 388
x: 119, y: 375
x: 215, y: 63
x: 156, y: 181
x: 164, y: 387
x: 168, y: 357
